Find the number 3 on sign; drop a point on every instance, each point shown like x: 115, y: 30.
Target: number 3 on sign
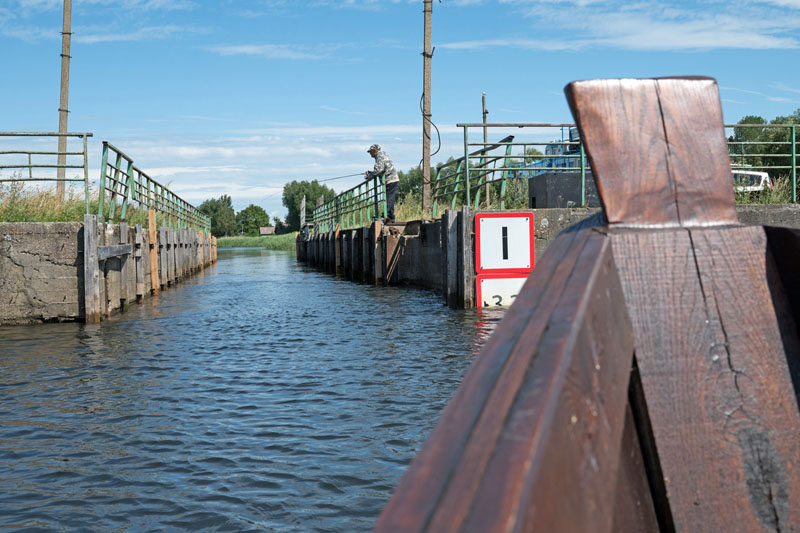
x: 498, y: 290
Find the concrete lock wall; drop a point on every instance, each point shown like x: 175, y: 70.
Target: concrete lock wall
x: 439, y: 254
x: 43, y: 268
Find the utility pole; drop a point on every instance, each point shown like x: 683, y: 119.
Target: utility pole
x: 485, y: 144
x: 63, y: 106
x: 426, y: 108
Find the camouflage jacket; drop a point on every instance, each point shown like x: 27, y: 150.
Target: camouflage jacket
x: 384, y: 167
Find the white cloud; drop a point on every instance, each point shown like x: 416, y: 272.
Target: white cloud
x: 650, y: 25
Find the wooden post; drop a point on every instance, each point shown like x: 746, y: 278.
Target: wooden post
x: 355, y: 242
x: 450, y: 237
x: 338, y: 245
x: 111, y: 269
x: 137, y: 254
x: 201, y: 239
x: 91, y: 271
x: 151, y: 230
x: 377, y: 252
x: 364, y: 251
x: 162, y: 257
x: 125, y: 270
x: 466, y: 260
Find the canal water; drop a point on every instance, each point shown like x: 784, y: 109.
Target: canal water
x: 258, y: 395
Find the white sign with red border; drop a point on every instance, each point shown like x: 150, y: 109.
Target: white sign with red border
x: 498, y: 290
x: 504, y: 242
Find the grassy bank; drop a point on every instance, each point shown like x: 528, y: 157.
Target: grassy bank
x: 273, y: 242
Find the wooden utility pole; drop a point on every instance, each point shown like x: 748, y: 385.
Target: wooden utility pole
x: 426, y: 108
x: 485, y: 144
x: 63, y: 106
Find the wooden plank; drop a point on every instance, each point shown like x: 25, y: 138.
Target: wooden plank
x: 698, y: 163
x: 151, y: 230
x: 669, y: 130
x: 473, y: 421
x: 113, y: 251
x: 91, y: 270
x: 714, y: 376
x: 139, y: 262
x: 559, y: 429
x: 450, y: 221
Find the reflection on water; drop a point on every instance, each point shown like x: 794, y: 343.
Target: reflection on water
x: 257, y: 395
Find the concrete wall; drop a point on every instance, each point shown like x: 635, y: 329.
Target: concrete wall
x: 415, y: 253
x: 42, y: 269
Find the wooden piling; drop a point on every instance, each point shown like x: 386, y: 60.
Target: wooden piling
x: 151, y: 230
x: 138, y: 261
x: 91, y: 271
x: 376, y: 250
x: 450, y: 255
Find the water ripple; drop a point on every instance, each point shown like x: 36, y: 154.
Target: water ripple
x: 258, y: 395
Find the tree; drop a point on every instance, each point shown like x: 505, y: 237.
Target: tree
x: 223, y: 219
x: 279, y: 226
x: 293, y: 193
x: 410, y: 182
x: 251, y: 218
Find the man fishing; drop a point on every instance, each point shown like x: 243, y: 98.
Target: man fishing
x: 384, y: 167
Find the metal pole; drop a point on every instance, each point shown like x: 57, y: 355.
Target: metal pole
x: 583, y: 176
x: 794, y: 166
x: 63, y: 106
x: 466, y: 163
x: 426, y: 107
x: 485, y: 143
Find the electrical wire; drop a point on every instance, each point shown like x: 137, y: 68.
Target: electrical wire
x: 427, y: 118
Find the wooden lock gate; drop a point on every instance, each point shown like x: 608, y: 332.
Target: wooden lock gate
x: 647, y: 377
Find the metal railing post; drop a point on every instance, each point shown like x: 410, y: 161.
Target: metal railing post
x: 583, y: 176
x: 101, y: 194
x: 794, y: 165
x: 128, y: 191
x: 86, y: 191
x: 466, y: 162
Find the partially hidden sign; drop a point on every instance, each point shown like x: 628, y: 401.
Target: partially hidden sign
x: 504, y: 256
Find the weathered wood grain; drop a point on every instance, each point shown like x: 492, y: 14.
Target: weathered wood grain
x: 543, y: 403
x: 91, y: 270
x: 657, y: 149
x: 715, y: 380
x: 698, y: 150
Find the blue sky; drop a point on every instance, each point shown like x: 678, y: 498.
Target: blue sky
x: 238, y: 97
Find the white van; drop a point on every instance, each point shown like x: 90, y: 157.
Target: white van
x: 751, y: 181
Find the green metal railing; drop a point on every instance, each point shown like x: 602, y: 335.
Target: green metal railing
x: 353, y: 208
x: 121, y: 181
x: 39, y: 165
x: 462, y: 180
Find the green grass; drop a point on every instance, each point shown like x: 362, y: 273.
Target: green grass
x: 283, y: 242
x: 19, y: 203
x: 781, y: 193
